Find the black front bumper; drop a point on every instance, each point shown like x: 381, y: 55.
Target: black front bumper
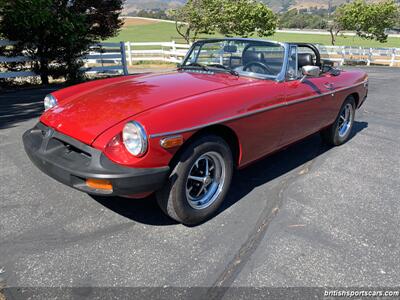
x: 72, y: 162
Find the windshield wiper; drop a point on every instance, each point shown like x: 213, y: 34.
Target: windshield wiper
x: 219, y: 66
x: 197, y: 65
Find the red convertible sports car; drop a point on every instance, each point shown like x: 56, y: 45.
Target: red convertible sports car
x: 181, y: 134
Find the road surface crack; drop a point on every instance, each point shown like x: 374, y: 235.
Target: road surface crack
x: 235, y: 266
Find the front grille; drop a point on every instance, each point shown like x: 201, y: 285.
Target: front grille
x: 62, y: 147
x: 72, y: 149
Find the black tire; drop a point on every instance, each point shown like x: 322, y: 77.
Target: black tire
x: 172, y: 198
x: 332, y: 135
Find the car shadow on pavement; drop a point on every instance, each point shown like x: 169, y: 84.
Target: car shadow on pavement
x: 279, y: 164
x: 146, y: 210
x: 22, y: 105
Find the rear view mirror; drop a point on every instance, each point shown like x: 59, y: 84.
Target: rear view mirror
x: 310, y: 71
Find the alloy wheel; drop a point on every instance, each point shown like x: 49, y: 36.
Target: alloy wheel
x: 345, y: 120
x: 206, y: 180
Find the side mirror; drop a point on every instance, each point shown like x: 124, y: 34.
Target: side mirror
x: 309, y: 71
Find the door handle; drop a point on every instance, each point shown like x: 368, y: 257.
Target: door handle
x: 329, y: 86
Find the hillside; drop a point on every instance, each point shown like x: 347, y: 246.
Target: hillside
x: 135, y: 5
x: 139, y: 30
x: 276, y: 5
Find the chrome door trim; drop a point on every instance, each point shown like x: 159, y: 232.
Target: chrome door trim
x: 156, y: 135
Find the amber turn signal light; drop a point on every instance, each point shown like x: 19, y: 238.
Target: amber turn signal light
x: 171, y: 142
x: 99, y: 184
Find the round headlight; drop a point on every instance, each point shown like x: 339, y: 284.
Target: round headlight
x: 135, y: 139
x: 49, y: 102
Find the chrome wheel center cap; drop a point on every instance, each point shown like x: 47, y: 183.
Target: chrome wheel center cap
x: 207, y: 180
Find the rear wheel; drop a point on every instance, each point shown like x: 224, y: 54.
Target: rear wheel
x: 199, y: 181
x: 339, y: 132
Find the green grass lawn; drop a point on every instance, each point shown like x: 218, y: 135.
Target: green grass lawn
x: 165, y: 32
x: 341, y: 40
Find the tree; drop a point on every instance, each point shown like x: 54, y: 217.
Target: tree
x: 246, y: 17
x: 194, y: 18
x: 56, y: 33
x: 297, y: 19
x: 151, y: 13
x: 229, y: 17
x: 368, y: 20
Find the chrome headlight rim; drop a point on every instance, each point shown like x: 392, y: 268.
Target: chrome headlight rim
x: 49, y: 102
x: 142, y: 135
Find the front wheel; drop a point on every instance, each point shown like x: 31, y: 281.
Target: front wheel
x: 199, y: 181
x: 339, y: 132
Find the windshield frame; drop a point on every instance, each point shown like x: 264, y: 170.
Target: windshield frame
x: 279, y: 77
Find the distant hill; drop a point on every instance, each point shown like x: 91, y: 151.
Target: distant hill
x: 276, y: 5
x: 135, y: 5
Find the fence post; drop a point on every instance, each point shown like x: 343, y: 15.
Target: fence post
x: 343, y: 55
x: 129, y: 53
x: 393, y: 57
x: 369, y: 57
x: 101, y: 56
x: 175, y: 55
x: 123, y: 58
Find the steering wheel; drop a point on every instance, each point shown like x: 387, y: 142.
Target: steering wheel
x: 265, y: 68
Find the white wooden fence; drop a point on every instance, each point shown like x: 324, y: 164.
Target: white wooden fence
x: 102, y: 58
x: 115, y: 57
x: 173, y: 52
x: 106, y: 58
x: 360, y: 55
x: 162, y: 51
x: 5, y: 59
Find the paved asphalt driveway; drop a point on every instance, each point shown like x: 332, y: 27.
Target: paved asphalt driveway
x: 307, y: 216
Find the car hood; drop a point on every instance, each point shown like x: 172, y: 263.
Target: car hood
x: 87, y: 110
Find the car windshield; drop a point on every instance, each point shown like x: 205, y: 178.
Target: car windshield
x: 240, y: 57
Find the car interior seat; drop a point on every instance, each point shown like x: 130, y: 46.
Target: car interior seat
x: 250, y: 56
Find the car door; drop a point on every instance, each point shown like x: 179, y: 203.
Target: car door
x: 308, y: 104
x: 260, y: 131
